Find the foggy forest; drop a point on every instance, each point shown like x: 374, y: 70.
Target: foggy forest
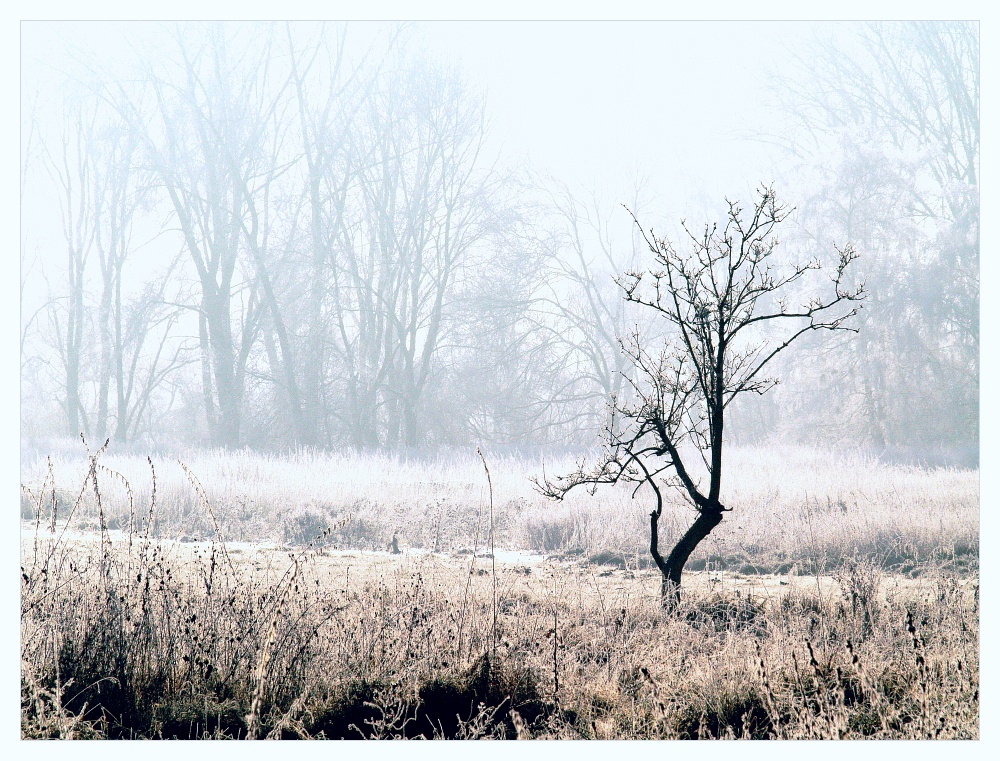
x: 354, y: 357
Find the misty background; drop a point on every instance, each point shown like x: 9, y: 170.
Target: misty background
x: 405, y: 237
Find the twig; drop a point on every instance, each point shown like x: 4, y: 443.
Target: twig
x: 493, y: 556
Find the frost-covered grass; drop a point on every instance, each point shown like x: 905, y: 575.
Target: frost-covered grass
x: 793, y: 508
x: 125, y: 636
x: 128, y: 633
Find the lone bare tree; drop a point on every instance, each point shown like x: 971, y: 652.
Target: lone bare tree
x: 726, y: 303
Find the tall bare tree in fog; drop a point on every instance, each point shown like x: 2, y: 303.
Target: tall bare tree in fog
x: 211, y: 137
x: 72, y: 168
x: 501, y: 363
x: 114, y: 206
x: 890, y: 123
x: 329, y: 92
x: 124, y: 345
x: 126, y: 325
x: 580, y: 311
x: 418, y: 199
x: 725, y: 303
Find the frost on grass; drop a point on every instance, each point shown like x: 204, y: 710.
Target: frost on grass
x: 270, y: 627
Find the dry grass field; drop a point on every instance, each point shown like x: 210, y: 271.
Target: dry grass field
x: 240, y: 595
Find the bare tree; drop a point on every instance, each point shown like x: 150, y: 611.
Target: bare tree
x: 886, y: 126
x: 72, y: 169
x: 121, y: 189
x: 329, y: 92
x: 917, y: 84
x: 494, y: 383
x: 420, y: 203
x: 100, y: 332
x: 726, y: 303
x: 211, y: 139
x: 578, y: 310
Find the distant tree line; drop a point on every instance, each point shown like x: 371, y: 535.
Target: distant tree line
x: 884, y: 138
x: 277, y: 235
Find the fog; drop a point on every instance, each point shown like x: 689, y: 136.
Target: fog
x: 407, y: 237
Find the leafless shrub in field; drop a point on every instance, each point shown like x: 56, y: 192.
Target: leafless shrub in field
x: 859, y: 582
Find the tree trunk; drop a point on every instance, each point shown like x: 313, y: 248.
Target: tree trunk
x: 411, y: 431
x: 673, y: 566
x: 206, y: 376
x: 122, y: 395
x: 224, y: 373
x: 74, y: 340
x: 312, y: 405
x: 73, y: 406
x: 104, y: 380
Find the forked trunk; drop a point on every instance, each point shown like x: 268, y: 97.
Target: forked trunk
x: 673, y: 566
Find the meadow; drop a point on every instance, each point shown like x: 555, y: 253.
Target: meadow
x: 234, y: 595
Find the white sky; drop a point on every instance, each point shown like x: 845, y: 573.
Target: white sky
x: 594, y: 102
x: 586, y: 100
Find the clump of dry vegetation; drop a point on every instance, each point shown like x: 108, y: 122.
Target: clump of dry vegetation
x: 127, y: 633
